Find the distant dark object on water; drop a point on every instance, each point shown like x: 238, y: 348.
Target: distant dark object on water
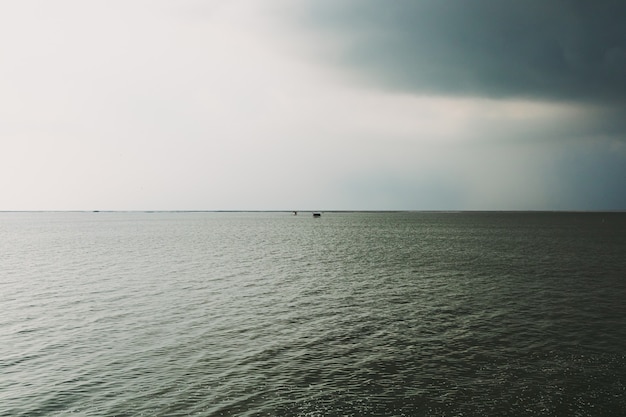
x: 295, y: 213
x: 317, y: 214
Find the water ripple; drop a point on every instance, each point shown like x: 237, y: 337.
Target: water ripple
x: 353, y: 314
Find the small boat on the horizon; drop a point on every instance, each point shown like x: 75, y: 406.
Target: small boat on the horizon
x: 317, y: 214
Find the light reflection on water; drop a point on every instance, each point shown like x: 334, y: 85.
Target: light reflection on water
x: 357, y: 314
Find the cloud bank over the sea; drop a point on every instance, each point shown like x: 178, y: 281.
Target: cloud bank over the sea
x: 554, y: 50
x: 546, y: 81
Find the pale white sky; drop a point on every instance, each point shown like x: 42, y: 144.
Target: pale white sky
x: 220, y: 105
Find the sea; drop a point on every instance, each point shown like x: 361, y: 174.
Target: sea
x: 276, y: 314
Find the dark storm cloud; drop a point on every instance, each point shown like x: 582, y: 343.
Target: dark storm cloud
x: 537, y: 49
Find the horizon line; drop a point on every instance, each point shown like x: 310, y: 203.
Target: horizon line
x: 326, y: 211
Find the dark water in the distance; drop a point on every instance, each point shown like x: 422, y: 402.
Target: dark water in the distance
x: 351, y: 314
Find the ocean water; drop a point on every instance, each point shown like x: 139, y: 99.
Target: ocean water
x: 350, y: 314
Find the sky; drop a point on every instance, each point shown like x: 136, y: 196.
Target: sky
x: 312, y: 105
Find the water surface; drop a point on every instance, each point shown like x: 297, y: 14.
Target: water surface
x: 350, y: 314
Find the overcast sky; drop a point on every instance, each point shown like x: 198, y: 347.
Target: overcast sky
x: 312, y: 104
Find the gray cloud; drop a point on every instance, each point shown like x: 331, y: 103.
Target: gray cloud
x: 570, y: 52
x: 536, y: 49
